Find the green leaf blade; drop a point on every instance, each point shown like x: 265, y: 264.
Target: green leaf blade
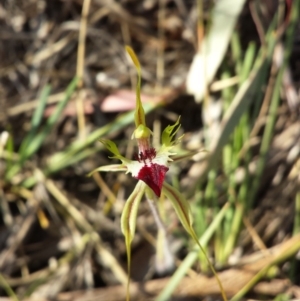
x: 38, y: 140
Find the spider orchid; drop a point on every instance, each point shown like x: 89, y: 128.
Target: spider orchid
x: 149, y: 168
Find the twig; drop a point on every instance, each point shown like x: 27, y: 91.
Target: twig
x: 80, y: 66
x: 160, y: 67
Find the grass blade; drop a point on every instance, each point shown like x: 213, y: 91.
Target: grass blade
x: 35, y: 121
x: 39, y: 139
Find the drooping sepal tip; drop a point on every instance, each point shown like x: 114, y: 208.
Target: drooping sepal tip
x: 139, y: 114
x: 134, y: 58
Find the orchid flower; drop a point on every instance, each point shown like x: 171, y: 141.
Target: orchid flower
x: 149, y: 168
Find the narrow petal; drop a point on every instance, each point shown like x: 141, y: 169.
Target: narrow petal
x: 112, y: 147
x: 111, y: 167
x: 128, y: 222
x: 184, y: 213
x: 186, y: 155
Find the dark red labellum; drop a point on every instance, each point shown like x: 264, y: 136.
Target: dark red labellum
x: 153, y: 175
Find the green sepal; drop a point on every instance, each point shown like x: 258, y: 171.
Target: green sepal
x: 128, y: 222
x: 128, y: 218
x: 184, y: 214
x: 169, y: 133
x: 139, y: 114
x: 180, y: 205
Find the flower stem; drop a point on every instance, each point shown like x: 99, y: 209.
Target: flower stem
x: 164, y: 260
x: 158, y: 220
